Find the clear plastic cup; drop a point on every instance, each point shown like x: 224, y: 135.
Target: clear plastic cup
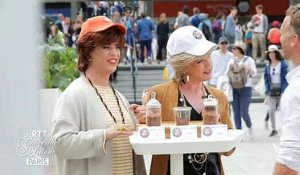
x: 182, y: 115
x: 210, y: 111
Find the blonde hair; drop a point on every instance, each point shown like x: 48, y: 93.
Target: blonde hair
x: 181, y: 63
x: 294, y: 13
x: 163, y: 18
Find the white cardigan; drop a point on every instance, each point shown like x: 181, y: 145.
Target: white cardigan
x: 79, y: 133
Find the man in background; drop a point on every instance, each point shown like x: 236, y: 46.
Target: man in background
x: 260, y: 30
x: 183, y: 18
x: 220, y: 59
x: 230, y: 25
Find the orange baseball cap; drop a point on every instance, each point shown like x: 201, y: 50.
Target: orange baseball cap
x: 97, y: 24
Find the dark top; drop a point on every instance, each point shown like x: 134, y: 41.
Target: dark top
x: 163, y: 29
x: 283, y: 73
x: 210, y: 166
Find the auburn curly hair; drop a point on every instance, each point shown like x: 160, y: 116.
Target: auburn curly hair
x: 87, y: 44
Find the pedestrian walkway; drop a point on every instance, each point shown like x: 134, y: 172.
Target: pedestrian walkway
x: 258, y: 155
x: 251, y: 157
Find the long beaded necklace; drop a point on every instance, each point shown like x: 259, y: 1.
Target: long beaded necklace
x: 114, y: 92
x: 199, y: 160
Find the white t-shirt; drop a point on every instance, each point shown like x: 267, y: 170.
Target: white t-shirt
x: 260, y: 27
x: 219, y: 62
x: 275, y: 73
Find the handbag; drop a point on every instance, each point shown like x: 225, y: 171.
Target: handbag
x: 275, y: 92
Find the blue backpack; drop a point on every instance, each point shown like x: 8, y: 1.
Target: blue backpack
x: 205, y: 30
x: 248, y: 37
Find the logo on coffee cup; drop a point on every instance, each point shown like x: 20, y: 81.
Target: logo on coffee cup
x: 207, y: 131
x: 144, y: 132
x: 177, y: 132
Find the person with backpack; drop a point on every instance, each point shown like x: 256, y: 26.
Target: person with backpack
x: 240, y: 69
x: 194, y: 20
x: 248, y: 38
x: 204, y: 27
x: 217, y: 27
x: 274, y: 34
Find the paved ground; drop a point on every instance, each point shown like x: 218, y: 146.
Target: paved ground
x: 256, y: 156
x: 252, y: 157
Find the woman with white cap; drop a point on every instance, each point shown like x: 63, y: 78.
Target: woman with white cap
x: 189, y: 54
x: 275, y: 82
x: 91, y: 121
x: 241, y: 95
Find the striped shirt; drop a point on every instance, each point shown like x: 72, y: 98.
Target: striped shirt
x: 122, y: 160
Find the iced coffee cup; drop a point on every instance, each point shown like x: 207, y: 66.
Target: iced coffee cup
x: 210, y: 111
x: 182, y: 115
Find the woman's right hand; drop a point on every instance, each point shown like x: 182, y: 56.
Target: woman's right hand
x: 117, y: 130
x: 140, y: 112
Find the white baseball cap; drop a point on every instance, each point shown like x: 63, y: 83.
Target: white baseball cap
x: 272, y: 48
x: 190, y: 40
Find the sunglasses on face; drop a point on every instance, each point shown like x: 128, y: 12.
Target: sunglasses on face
x: 223, y: 43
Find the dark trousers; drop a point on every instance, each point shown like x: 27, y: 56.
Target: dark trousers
x: 162, y: 44
x: 231, y: 42
x: 217, y: 36
x: 240, y: 104
x: 249, y: 49
x: 147, y: 44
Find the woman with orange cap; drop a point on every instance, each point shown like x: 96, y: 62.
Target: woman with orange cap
x: 92, y: 120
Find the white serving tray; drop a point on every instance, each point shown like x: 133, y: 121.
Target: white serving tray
x: 168, y: 146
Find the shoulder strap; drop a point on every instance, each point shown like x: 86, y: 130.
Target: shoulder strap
x: 245, y: 59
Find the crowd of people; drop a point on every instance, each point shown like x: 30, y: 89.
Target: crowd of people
x: 91, y: 115
x: 146, y: 38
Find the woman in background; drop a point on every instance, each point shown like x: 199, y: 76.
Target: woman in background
x: 163, y: 30
x: 242, y: 96
x: 275, y: 82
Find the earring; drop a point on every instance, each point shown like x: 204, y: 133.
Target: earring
x: 187, y: 78
x: 90, y: 60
